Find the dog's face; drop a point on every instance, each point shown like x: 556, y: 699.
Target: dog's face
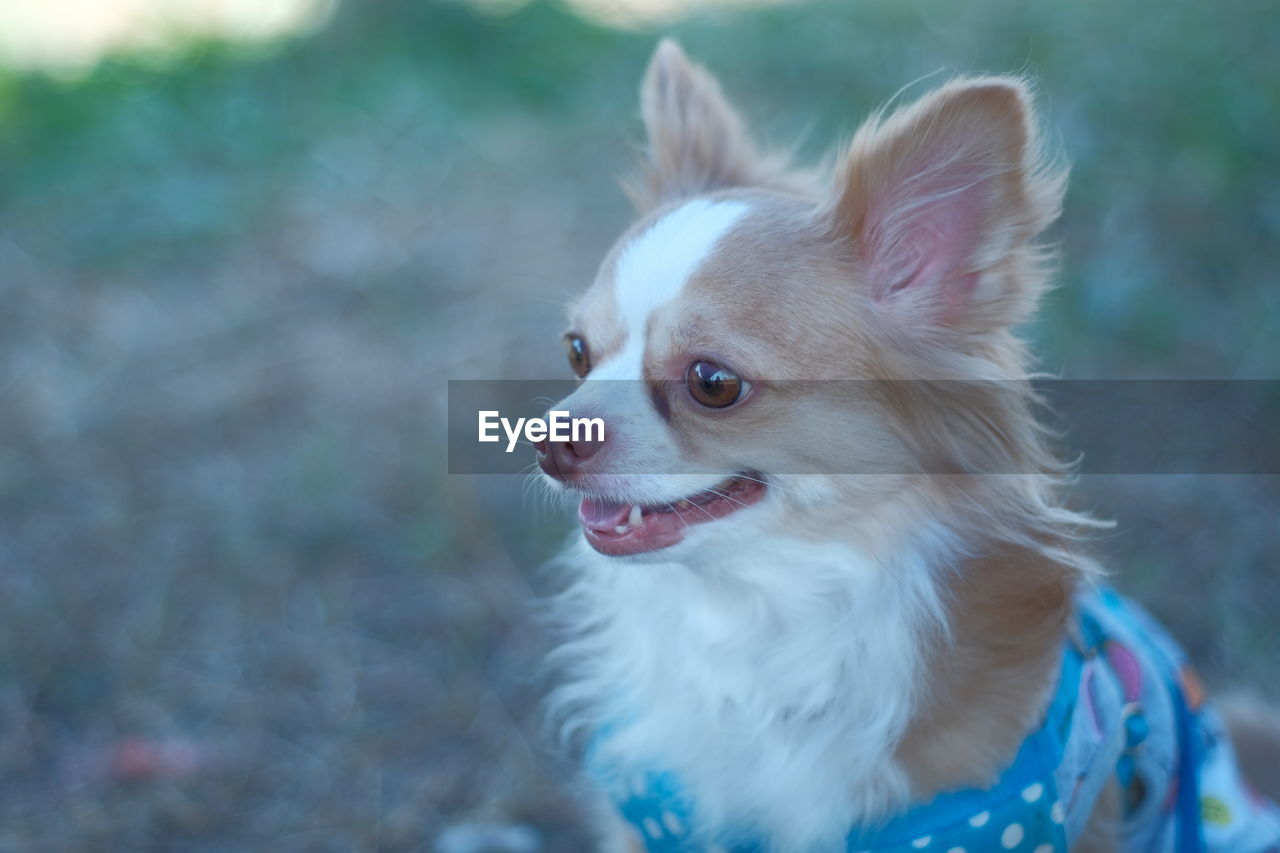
x: 720, y: 334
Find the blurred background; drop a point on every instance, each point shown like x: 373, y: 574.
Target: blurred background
x: 243, y: 245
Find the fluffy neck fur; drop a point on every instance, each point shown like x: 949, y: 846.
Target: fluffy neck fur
x: 795, y: 686
x: 753, y: 683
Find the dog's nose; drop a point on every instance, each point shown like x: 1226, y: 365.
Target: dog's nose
x: 564, y: 459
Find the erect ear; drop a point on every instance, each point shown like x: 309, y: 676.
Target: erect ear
x: 941, y: 200
x: 697, y: 142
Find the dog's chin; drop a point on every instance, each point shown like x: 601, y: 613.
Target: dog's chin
x: 654, y: 531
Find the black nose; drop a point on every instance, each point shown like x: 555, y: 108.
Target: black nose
x: 565, y: 460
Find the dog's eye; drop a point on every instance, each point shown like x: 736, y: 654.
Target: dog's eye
x: 714, y: 386
x: 579, y: 356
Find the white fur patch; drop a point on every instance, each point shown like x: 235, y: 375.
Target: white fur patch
x: 651, y: 272
x: 774, y: 681
x: 654, y: 269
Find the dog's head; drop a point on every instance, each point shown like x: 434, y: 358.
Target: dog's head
x: 719, y: 338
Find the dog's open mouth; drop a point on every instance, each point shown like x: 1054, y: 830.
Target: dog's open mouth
x: 618, y: 529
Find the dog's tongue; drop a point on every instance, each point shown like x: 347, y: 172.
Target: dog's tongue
x: 601, y: 514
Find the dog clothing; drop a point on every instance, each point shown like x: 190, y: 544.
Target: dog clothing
x: 1127, y: 706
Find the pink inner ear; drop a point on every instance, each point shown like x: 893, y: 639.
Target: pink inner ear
x: 926, y: 232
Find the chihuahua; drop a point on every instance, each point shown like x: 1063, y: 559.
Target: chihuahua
x: 827, y: 595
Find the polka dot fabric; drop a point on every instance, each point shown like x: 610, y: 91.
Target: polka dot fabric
x: 1127, y: 708
x: 1024, y: 823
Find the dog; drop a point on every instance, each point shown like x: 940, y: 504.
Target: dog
x: 827, y: 594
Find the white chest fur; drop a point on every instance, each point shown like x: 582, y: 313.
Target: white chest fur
x: 775, y: 685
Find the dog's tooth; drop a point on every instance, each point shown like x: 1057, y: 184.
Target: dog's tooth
x: 637, y: 516
x: 621, y: 528
x: 683, y: 504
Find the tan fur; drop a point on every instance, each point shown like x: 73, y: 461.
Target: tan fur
x: 597, y: 312
x: 697, y: 142
x: 980, y: 129
x: 990, y: 686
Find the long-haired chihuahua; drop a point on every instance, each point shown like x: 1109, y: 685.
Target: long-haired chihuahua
x: 827, y: 595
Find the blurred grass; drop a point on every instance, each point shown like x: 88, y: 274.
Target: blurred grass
x: 1169, y: 112
x: 233, y: 285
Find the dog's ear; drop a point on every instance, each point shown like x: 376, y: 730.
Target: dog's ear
x: 940, y: 202
x: 697, y: 142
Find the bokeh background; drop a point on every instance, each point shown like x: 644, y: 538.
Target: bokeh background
x: 244, y: 245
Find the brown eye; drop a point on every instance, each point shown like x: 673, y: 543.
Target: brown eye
x: 714, y: 386
x: 579, y: 357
